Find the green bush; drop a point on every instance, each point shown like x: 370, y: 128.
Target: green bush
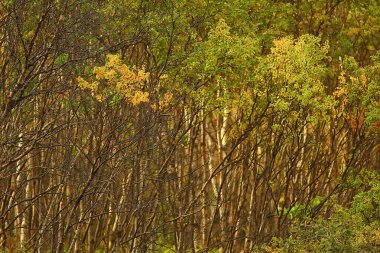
x: 347, y: 230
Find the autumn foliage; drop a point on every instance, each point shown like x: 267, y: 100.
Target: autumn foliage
x: 189, y: 126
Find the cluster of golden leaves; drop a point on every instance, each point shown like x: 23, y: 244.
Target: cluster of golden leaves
x: 117, y: 76
x: 300, y: 60
x: 298, y: 68
x: 164, y: 102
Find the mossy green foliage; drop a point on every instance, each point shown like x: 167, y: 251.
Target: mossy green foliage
x: 346, y: 230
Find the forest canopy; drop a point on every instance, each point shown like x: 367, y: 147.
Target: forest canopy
x: 189, y: 126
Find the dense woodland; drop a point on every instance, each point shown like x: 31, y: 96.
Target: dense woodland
x: 189, y: 126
